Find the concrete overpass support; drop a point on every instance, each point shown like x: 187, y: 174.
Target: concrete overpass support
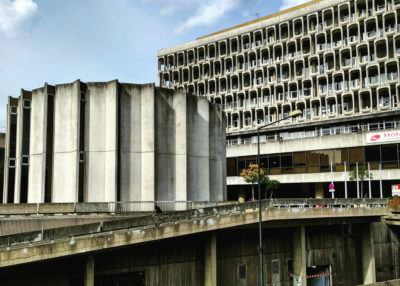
x: 368, y: 255
x: 299, y: 257
x: 210, y: 260
x: 89, y: 271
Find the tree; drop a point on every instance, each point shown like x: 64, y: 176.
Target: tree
x: 272, y: 185
x: 362, y: 176
x: 250, y: 175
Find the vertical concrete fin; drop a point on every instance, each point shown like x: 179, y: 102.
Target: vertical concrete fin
x: 66, y: 139
x: 147, y: 141
x: 37, y: 150
x: 180, y: 146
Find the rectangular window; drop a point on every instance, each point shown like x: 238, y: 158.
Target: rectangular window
x: 27, y: 103
x: 14, y: 110
x: 241, y: 164
x: 389, y: 156
x: 25, y: 160
x: 274, y: 165
x: 356, y: 155
x: 275, y: 266
x: 231, y: 166
x: 287, y: 163
x: 11, y: 163
x: 242, y: 271
x: 313, y: 162
x: 326, y: 157
x: 299, y: 162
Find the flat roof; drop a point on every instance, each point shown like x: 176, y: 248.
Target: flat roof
x: 272, y: 19
x: 262, y: 18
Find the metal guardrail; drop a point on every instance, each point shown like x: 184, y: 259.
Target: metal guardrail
x: 111, y: 207
x: 168, y: 217
x: 170, y: 206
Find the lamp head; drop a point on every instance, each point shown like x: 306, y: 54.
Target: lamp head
x: 295, y: 113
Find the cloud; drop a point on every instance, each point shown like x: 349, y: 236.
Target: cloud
x: 207, y: 14
x: 286, y: 4
x: 16, y: 15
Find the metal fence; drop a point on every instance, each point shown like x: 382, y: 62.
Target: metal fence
x: 148, y: 206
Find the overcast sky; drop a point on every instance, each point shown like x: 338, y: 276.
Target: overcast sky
x: 59, y: 41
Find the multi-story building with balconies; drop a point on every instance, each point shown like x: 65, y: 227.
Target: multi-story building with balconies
x: 336, y: 61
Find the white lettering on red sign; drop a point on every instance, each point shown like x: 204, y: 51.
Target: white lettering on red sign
x: 385, y: 136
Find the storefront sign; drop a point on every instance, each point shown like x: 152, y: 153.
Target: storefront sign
x: 383, y: 136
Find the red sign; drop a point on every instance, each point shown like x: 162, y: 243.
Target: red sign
x: 382, y: 136
x: 331, y: 186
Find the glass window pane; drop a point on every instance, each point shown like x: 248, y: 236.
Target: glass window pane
x: 264, y: 161
x: 251, y: 160
x: 286, y: 160
x: 389, y: 152
x: 231, y: 166
x: 372, y: 154
x: 241, y: 163
x: 356, y: 155
x: 326, y: 157
x: 274, y: 162
x: 299, y: 158
x: 313, y: 158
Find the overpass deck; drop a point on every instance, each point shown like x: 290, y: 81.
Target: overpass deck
x: 94, y: 237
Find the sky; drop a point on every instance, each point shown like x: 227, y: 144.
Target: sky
x: 59, y: 41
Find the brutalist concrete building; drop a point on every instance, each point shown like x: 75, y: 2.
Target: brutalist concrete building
x: 336, y: 61
x: 111, y: 141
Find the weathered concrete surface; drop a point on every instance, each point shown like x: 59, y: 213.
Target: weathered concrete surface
x: 20, y: 224
x: 139, y: 143
x: 104, y: 240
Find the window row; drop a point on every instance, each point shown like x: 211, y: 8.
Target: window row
x: 379, y: 54
x: 321, y: 160
x: 347, y: 22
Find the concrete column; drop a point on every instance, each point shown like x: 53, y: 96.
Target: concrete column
x: 210, y: 261
x: 89, y: 271
x: 319, y: 191
x: 180, y: 146
x: 368, y: 255
x: 299, y: 257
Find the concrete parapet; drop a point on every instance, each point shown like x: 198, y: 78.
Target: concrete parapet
x: 91, y: 208
x: 128, y: 223
x: 11, y: 209
x: 62, y: 232
x: 49, y: 208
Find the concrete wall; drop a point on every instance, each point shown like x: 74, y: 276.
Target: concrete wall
x: 66, y: 120
x: 141, y: 143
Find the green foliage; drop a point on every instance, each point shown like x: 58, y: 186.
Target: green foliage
x: 250, y: 175
x: 362, y: 174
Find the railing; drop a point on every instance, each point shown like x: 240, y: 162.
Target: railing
x: 335, y: 130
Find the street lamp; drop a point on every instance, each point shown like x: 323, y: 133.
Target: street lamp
x: 292, y: 114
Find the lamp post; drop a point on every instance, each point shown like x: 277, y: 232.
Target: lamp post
x: 292, y: 114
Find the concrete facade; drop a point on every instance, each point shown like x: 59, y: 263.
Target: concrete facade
x: 335, y: 61
x: 111, y: 141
